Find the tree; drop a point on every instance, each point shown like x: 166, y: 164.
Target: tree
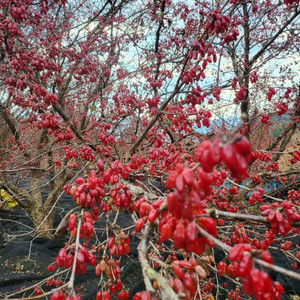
x: 104, y: 99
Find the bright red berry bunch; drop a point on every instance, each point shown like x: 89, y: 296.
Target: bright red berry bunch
x: 255, y: 282
x: 115, y: 287
x: 147, y: 211
x: 281, y: 216
x: 83, y: 258
x: 119, y: 245
x: 185, y: 234
x: 241, y: 253
x: 189, y: 191
x: 185, y: 279
x: 235, y: 155
x: 86, y: 153
x: 87, y: 227
x: 259, y: 285
x: 123, y: 295
x: 103, y: 296
x: 58, y: 296
x: 89, y: 191
x: 121, y: 195
x: 63, y: 259
x: 218, y: 22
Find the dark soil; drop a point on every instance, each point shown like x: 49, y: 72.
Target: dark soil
x: 24, y: 258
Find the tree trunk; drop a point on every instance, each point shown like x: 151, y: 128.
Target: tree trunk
x: 43, y: 223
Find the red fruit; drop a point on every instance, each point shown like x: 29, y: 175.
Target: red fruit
x: 80, y: 257
x: 248, y: 289
x: 188, y: 176
x: 98, y: 271
x: 110, y: 242
x: 72, y: 222
x: 215, y: 152
x: 178, y: 286
x: 172, y: 201
x: 188, y: 282
x: 179, y: 183
x: 139, y: 225
x: 91, y: 259
x: 222, y: 268
x: 278, y: 287
x: 145, y: 296
x: 200, y: 271
x: 191, y: 232
x: 144, y: 208
x: 207, y: 161
x: 267, y: 282
x: 178, y: 271
x: 237, y: 252
x: 179, y: 236
x: 99, y: 296
x: 256, y: 279
x: 62, y: 253
x: 232, y: 270
x: 79, y: 180
x: 243, y: 146
x: 68, y: 261
x: 105, y: 295
x: 166, y: 232
x: 156, y: 204
x: 153, y: 214
x: 245, y: 266
x: 228, y: 155
x: 267, y: 257
x: 58, y: 296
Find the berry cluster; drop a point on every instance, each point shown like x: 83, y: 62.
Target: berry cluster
x: 103, y: 296
x: 50, y: 121
x: 296, y: 157
x: 281, y: 216
x: 239, y: 235
x: 255, y: 282
x: 64, y: 259
x: 119, y: 245
x: 241, y: 94
x: 68, y: 135
x: 88, y: 192
x: 186, y: 273
x: 53, y: 282
x: 196, y: 97
x: 84, y: 257
x: 70, y: 154
x: 236, y: 156
x: 189, y: 191
x: 271, y: 93
x: 219, y: 23
x: 116, y: 287
x: 123, y: 295
x: 111, y: 269
x: 58, y: 295
x: 185, y: 234
x: 121, y: 195
x: 147, y: 211
x: 191, y: 75
x: 86, y: 153
x: 87, y: 227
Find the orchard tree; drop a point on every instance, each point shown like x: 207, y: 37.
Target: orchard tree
x: 103, y: 100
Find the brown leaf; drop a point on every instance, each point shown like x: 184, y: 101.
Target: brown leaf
x: 63, y: 225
